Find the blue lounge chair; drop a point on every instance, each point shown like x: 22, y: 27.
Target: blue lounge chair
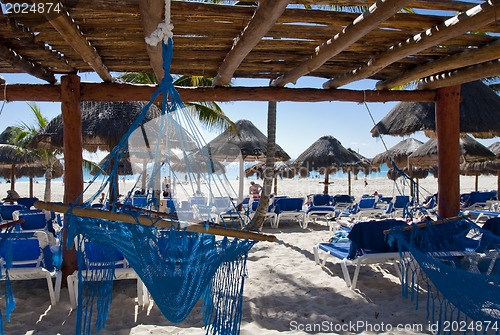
x: 288, y: 208
x: 28, y: 202
x: 30, y: 258
x: 321, y: 207
x: 368, y: 245
x: 6, y: 210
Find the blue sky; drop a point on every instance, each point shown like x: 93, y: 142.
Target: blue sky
x: 298, y: 124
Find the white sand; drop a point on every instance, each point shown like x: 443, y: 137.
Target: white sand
x: 284, y: 292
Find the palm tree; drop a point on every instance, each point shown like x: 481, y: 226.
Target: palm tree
x: 208, y: 113
x: 22, y: 135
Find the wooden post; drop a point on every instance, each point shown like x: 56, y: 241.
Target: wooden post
x: 349, y: 181
x: 31, y: 187
x: 327, y: 175
x: 412, y: 186
x: 12, y: 177
x: 477, y: 182
x: 276, y: 184
x: 72, y: 150
x: 448, y: 132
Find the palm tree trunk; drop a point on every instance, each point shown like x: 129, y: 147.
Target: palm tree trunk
x: 260, y: 213
x: 48, y: 188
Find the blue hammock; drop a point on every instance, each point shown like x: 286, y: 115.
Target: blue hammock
x: 457, y: 264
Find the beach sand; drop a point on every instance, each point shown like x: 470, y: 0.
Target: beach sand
x: 285, y: 292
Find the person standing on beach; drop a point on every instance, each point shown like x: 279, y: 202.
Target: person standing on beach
x: 255, y: 189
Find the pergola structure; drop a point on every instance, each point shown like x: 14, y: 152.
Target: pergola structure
x: 281, y: 40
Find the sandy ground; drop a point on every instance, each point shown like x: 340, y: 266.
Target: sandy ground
x: 285, y: 292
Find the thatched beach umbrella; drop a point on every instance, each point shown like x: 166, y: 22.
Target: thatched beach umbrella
x: 11, y: 155
x: 479, y: 115
x: 103, y: 125
x: 486, y: 167
x: 326, y: 155
x: 418, y: 173
x: 35, y: 170
x: 470, y: 151
x: 399, y: 155
x: 282, y: 169
x: 6, y: 135
x: 250, y: 144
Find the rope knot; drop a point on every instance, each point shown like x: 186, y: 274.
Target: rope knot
x: 162, y: 33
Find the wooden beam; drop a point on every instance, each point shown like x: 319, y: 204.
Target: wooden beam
x: 264, y: 18
x: 448, y: 133
x: 469, y: 57
x: 366, y: 22
x: 129, y: 92
x: 489, y: 69
x: 151, y: 16
x: 71, y: 33
x: 473, y: 19
x: 22, y: 64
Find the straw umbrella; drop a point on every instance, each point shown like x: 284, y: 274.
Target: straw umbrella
x: 250, y: 144
x: 487, y: 167
x: 326, y: 155
x: 35, y: 170
x: 399, y: 155
x: 282, y: 169
x: 11, y: 155
x: 6, y: 135
x: 479, y: 115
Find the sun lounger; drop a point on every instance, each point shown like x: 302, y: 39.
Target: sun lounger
x: 289, y: 208
x: 368, y: 246
x: 31, y: 258
x: 320, y: 207
x: 95, y: 254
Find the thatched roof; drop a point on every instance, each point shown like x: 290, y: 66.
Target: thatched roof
x: 282, y: 169
x: 124, y: 166
x: 398, y: 153
x: 250, y: 142
x: 11, y: 154
x: 327, y: 153
x: 34, y: 170
x: 196, y: 163
x: 364, y: 165
x: 486, y: 167
x: 470, y: 151
x: 103, y: 125
x: 418, y: 173
x: 479, y: 115
x: 6, y: 135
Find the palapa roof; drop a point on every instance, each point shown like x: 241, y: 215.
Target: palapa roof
x: 103, y: 125
x: 327, y: 153
x: 470, y: 151
x: 11, y: 154
x: 486, y: 167
x: 282, y: 169
x: 479, y: 115
x: 36, y: 170
x: 418, y: 173
x: 276, y: 39
x: 398, y: 153
x: 250, y: 142
x: 6, y: 135
x: 495, y: 148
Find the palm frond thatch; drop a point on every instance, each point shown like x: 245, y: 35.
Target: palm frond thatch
x: 398, y: 153
x: 479, y: 115
x: 250, y: 142
x: 470, y: 151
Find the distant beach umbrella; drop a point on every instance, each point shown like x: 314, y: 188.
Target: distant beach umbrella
x: 326, y: 155
x: 479, y: 115
x: 250, y: 144
x: 418, y: 173
x: 486, y: 167
x: 12, y: 156
x: 470, y: 151
x: 282, y: 169
x: 103, y: 125
x: 6, y: 135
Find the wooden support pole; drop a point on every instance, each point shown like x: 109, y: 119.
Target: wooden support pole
x: 12, y: 177
x: 349, y: 182
x: 448, y: 133
x: 130, y: 92
x: 327, y: 175
x: 31, y: 187
x: 150, y: 221
x: 72, y: 150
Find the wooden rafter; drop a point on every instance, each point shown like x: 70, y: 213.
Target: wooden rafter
x: 24, y: 65
x: 75, y: 38
x: 366, y: 22
x: 469, y: 57
x: 485, y: 70
x: 130, y: 92
x: 151, y: 16
x: 420, y: 4
x: 474, y: 18
x: 263, y: 19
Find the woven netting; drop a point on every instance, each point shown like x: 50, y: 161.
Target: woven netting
x: 456, y: 264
